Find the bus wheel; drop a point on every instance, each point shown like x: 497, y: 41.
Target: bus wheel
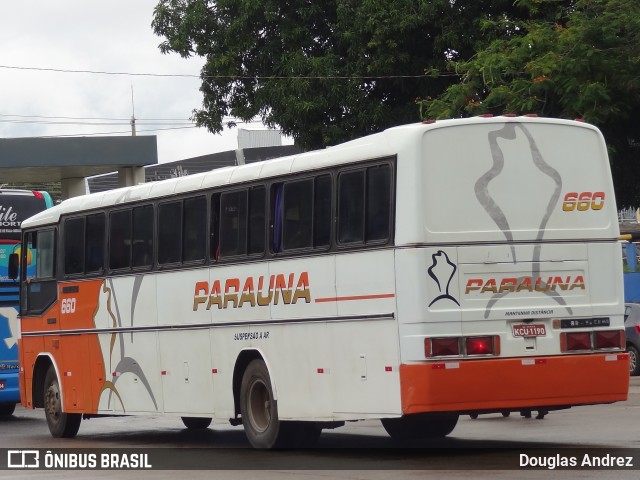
x: 634, y: 365
x: 61, y: 425
x: 196, y: 423
x: 259, y: 412
x: 420, y: 426
x: 7, y: 409
x: 258, y: 407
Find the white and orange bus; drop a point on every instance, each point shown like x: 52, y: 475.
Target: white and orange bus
x: 431, y: 270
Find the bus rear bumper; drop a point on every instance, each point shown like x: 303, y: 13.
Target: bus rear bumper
x: 514, y: 383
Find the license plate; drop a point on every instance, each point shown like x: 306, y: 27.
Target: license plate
x: 1, y: 384
x: 529, y: 330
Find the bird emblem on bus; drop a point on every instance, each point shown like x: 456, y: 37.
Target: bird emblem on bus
x: 442, y: 271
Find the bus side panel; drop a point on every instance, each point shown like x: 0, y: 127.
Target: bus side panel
x: 298, y: 351
x: 185, y: 368
x: 299, y: 360
x: 29, y: 348
x: 365, y: 371
x: 77, y: 305
x: 131, y: 360
x: 365, y: 376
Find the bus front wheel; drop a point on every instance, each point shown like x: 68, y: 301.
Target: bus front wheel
x: 61, y: 425
x: 420, y: 426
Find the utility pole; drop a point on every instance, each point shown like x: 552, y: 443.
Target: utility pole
x: 133, y: 114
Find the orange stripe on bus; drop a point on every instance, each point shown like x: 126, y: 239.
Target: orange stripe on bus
x: 355, y: 297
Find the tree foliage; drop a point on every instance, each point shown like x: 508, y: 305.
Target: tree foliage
x: 576, y: 59
x: 324, y: 72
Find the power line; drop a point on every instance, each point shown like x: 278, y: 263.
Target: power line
x: 92, y: 118
x: 234, y: 77
x: 128, y: 131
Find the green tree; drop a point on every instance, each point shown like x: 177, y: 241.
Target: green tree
x: 574, y: 59
x: 324, y: 72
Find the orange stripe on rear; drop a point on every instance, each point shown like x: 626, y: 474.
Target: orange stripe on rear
x: 512, y: 383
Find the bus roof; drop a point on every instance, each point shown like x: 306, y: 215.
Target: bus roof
x: 387, y: 143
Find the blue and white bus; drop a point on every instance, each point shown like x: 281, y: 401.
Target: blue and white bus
x: 15, y: 206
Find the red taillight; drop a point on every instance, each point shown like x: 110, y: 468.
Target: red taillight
x: 462, y: 346
x: 609, y: 339
x: 441, y: 347
x: 575, y: 341
x: 479, y: 345
x: 637, y: 327
x: 37, y: 194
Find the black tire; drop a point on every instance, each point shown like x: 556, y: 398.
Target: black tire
x: 258, y: 407
x: 61, y: 425
x: 196, y: 423
x: 259, y: 412
x: 7, y: 409
x: 420, y: 426
x: 506, y: 414
x: 634, y: 363
x: 474, y: 416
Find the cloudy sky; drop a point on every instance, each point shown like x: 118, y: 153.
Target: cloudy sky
x: 37, y: 36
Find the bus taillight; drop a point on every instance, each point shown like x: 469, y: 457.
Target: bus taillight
x: 575, y: 341
x: 600, y: 340
x: 441, y: 347
x: 609, y: 339
x: 462, y: 346
x: 479, y: 345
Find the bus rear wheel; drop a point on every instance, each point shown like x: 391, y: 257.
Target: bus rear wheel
x: 61, y: 425
x: 259, y: 412
x: 420, y: 426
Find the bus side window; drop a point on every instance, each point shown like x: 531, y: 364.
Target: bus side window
x: 142, y: 247
x: 120, y: 239
x: 94, y: 251
x: 378, y: 204
x: 322, y: 211
x: 194, y: 229
x: 276, y: 217
x: 257, y: 224
x: 214, y: 234
x: 297, y: 215
x: 170, y: 232
x: 351, y: 207
x: 74, y: 245
x: 233, y: 223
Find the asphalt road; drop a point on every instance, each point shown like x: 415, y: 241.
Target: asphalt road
x: 490, y: 446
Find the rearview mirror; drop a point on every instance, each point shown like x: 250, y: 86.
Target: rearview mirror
x: 14, y: 262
